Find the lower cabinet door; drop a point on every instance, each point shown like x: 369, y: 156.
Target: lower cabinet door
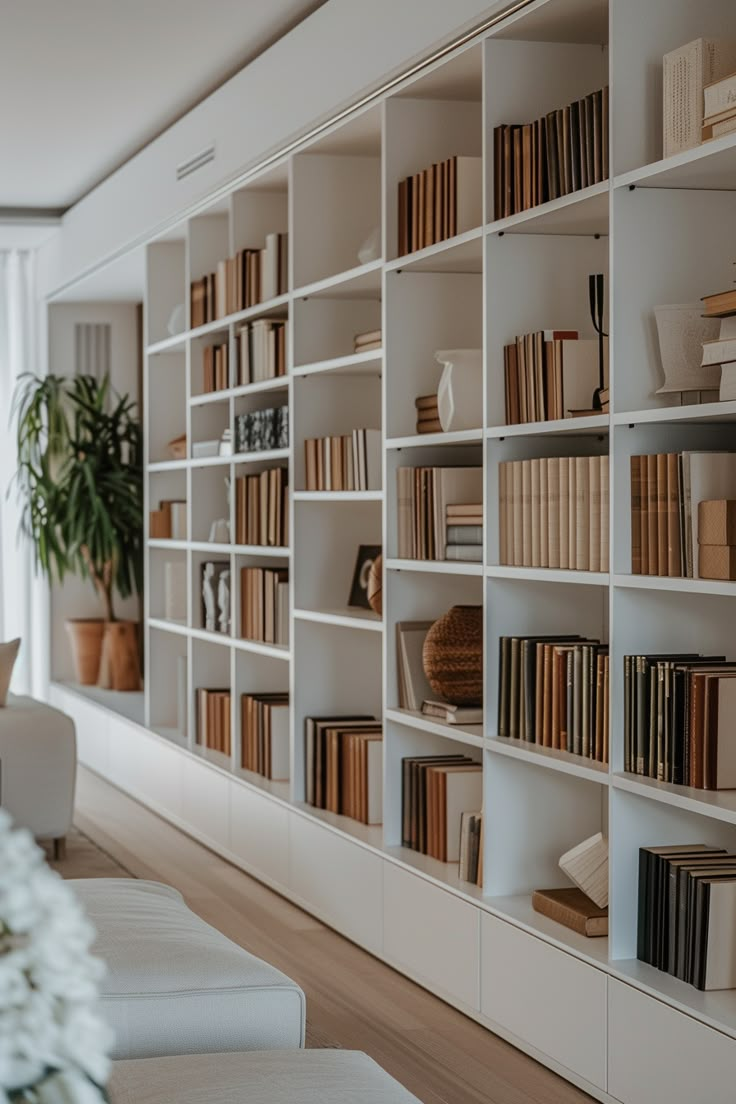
x: 91, y: 724
x: 206, y: 802
x: 339, y: 880
x: 656, y: 1053
x: 259, y: 833
x: 545, y: 997
x: 432, y: 934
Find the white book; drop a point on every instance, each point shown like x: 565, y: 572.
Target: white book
x: 280, y: 764
x: 720, y: 949
x: 413, y: 685
x: 464, y: 791
x: 374, y: 755
x: 175, y: 590
x: 373, y: 472
x: 468, y: 193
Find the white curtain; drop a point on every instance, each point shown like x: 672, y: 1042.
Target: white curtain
x: 24, y: 600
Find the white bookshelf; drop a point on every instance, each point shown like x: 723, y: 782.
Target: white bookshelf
x: 659, y: 231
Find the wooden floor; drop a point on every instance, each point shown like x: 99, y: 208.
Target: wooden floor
x: 353, y: 1000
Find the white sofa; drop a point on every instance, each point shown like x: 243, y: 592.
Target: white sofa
x: 175, y: 985
x: 276, y: 1077
x: 38, y: 766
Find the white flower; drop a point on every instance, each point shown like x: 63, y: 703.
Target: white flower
x: 48, y: 982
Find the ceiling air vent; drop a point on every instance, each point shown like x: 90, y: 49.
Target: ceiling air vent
x: 186, y: 168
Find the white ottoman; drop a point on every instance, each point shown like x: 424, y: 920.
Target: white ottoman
x: 38, y: 767
x: 273, y: 1077
x: 175, y: 985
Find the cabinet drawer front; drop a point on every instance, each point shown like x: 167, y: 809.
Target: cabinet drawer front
x: 547, y: 998
x: 259, y: 833
x: 339, y: 879
x: 657, y: 1053
x: 91, y: 725
x: 206, y: 805
x: 432, y: 933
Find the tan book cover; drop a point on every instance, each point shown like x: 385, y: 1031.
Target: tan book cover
x: 526, y: 513
x: 573, y: 909
x: 604, y: 472
x: 594, y: 531
x: 553, y: 512
x: 672, y: 479
x: 582, y: 513
x: 429, y: 234
x: 544, y: 512
x: 517, y: 510
x: 536, y: 512
x: 503, y: 539
x: 663, y: 521
x: 652, y: 514
x: 717, y: 521
x: 564, y: 511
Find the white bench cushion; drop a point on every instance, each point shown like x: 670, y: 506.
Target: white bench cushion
x: 269, y: 1077
x: 175, y: 985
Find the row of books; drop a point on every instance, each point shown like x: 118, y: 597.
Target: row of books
x: 678, y: 719
x: 471, y: 848
x: 687, y: 901
x: 436, y: 790
x: 169, y: 521
x: 550, y: 374
x: 213, y: 720
x: 262, y: 430
x: 262, y: 348
x: 264, y: 604
x: 215, y: 368
x: 344, y: 766
x: 264, y: 735
x: 414, y: 690
x: 252, y: 276
x: 262, y: 508
x: 559, y: 153
x: 554, y: 691
x: 430, y: 499
x: 554, y: 512
x: 440, y: 202
x: 351, y: 462
x: 666, y: 489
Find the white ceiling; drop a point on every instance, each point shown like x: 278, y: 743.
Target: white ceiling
x: 84, y: 84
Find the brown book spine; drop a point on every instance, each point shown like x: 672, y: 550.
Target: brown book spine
x: 652, y: 506
x: 674, y: 557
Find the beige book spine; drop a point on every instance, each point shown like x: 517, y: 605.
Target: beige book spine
x: 582, y: 514
x: 553, y: 511
x: 544, y: 512
x: 509, y: 491
x: 503, y: 533
x: 605, y: 518
x: 563, y: 469
x: 526, y: 513
x: 536, y: 512
x: 594, y: 532
x: 572, y: 508
x: 518, y: 512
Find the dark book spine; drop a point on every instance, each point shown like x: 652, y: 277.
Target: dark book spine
x: 642, y: 924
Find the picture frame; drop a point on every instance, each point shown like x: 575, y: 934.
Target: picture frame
x: 367, y: 553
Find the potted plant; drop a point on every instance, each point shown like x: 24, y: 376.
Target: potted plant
x: 81, y: 488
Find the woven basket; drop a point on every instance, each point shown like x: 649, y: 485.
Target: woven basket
x: 453, y: 656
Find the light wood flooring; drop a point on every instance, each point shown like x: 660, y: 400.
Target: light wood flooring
x: 353, y: 1000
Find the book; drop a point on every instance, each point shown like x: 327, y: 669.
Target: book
x: 413, y: 686
x: 452, y: 714
x: 436, y: 791
x: 572, y: 908
x: 431, y: 500
x: 213, y: 719
x: 265, y: 734
x: 264, y: 604
x: 720, y: 305
x: 344, y: 766
x: 439, y: 202
x: 261, y: 508
x: 470, y: 867
x: 719, y: 96
x: 686, y: 72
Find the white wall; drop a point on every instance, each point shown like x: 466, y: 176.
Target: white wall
x: 342, y: 50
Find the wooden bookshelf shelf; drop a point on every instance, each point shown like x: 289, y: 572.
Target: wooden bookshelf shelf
x: 583, y: 213
x: 555, y: 759
x: 464, y: 734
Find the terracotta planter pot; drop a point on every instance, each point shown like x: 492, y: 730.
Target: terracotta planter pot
x: 119, y: 663
x: 86, y: 640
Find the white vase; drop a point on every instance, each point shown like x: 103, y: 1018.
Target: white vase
x: 460, y: 390
x: 682, y: 330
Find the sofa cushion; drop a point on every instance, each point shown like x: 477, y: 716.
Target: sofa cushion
x: 175, y: 985
x: 268, y: 1077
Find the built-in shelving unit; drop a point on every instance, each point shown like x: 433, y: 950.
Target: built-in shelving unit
x: 658, y: 230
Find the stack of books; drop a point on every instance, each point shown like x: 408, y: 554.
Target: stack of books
x: 262, y: 347
x: 553, y: 691
x: 264, y: 604
x: 717, y: 539
x: 559, y: 153
x: 367, y: 342
x: 687, y: 901
x: 344, y: 766
x: 252, y: 276
x: 678, y: 719
x: 424, y: 496
x: 264, y: 735
x: 351, y: 462
x: 428, y: 415
x: 440, y: 202
x: 262, y: 508
x: 216, y: 375
x: 436, y: 791
x: 213, y: 720
x: 262, y: 430
x: 554, y: 512
x: 665, y: 521
x: 551, y: 374
x: 464, y: 534
x: 169, y: 521
x: 722, y: 350
x: 719, y: 108
x: 471, y: 848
